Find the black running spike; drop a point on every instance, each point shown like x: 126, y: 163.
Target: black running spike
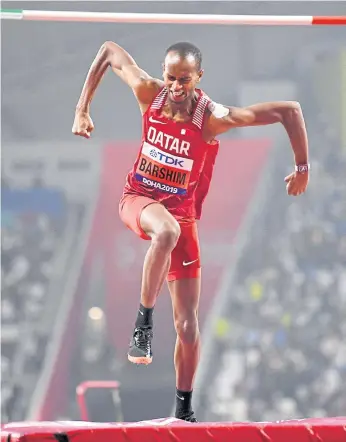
x: 61, y: 437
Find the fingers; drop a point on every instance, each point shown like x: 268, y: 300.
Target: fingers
x: 290, y: 189
x: 85, y: 133
x: 291, y: 186
x: 82, y: 126
x: 296, y: 184
x: 294, y: 190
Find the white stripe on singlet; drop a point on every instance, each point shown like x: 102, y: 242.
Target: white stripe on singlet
x: 198, y: 115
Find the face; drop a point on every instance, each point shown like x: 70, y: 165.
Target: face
x: 181, y: 77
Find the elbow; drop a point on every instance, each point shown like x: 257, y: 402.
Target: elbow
x: 107, y: 45
x: 115, y: 56
x: 292, y: 107
x: 296, y: 107
x: 291, y: 111
x: 106, y: 50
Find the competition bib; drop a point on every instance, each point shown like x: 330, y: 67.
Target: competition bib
x: 162, y: 170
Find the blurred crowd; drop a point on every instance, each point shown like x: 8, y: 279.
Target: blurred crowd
x: 30, y: 243
x: 283, y: 339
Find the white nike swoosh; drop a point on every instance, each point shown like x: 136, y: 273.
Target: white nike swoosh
x: 141, y: 312
x: 181, y: 398
x: 151, y: 119
x: 189, y: 263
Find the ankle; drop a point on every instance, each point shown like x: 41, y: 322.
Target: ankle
x: 144, y: 316
x: 183, y: 402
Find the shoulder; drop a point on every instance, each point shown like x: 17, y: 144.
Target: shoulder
x: 146, y: 92
x: 216, y: 118
x: 212, y: 108
x: 146, y: 89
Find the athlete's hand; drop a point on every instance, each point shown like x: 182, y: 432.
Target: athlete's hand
x: 83, y: 124
x: 297, y: 183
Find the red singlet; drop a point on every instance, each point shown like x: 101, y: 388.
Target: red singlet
x: 174, y: 165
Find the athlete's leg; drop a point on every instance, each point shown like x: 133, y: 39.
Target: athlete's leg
x: 164, y: 232
x: 184, y: 283
x: 150, y: 220
x: 185, y: 298
x: 185, y: 295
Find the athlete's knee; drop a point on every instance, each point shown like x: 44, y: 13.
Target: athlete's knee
x: 186, y: 327
x: 167, y: 234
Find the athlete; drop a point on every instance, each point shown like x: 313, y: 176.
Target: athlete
x: 165, y: 190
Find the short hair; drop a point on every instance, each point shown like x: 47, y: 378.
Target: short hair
x: 184, y: 49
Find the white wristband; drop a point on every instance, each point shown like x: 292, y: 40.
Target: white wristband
x: 302, y: 168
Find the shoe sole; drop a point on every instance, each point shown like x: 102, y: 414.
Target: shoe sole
x: 140, y: 360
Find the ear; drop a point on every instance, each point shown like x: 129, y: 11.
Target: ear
x: 200, y: 74
x: 163, y: 68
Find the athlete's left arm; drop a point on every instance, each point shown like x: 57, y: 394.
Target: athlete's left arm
x: 288, y: 113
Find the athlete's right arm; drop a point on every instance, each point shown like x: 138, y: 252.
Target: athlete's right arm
x: 112, y: 55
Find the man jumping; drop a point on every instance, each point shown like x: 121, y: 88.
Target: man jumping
x: 169, y: 181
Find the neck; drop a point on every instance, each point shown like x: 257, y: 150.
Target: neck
x: 185, y: 108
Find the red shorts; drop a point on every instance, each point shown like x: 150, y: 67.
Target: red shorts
x: 185, y: 258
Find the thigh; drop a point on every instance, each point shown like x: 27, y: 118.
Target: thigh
x: 186, y: 257
x: 131, y: 207
x: 155, y: 218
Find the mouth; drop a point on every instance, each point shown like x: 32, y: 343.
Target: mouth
x: 178, y: 96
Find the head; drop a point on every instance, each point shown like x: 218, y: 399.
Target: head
x: 182, y: 71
